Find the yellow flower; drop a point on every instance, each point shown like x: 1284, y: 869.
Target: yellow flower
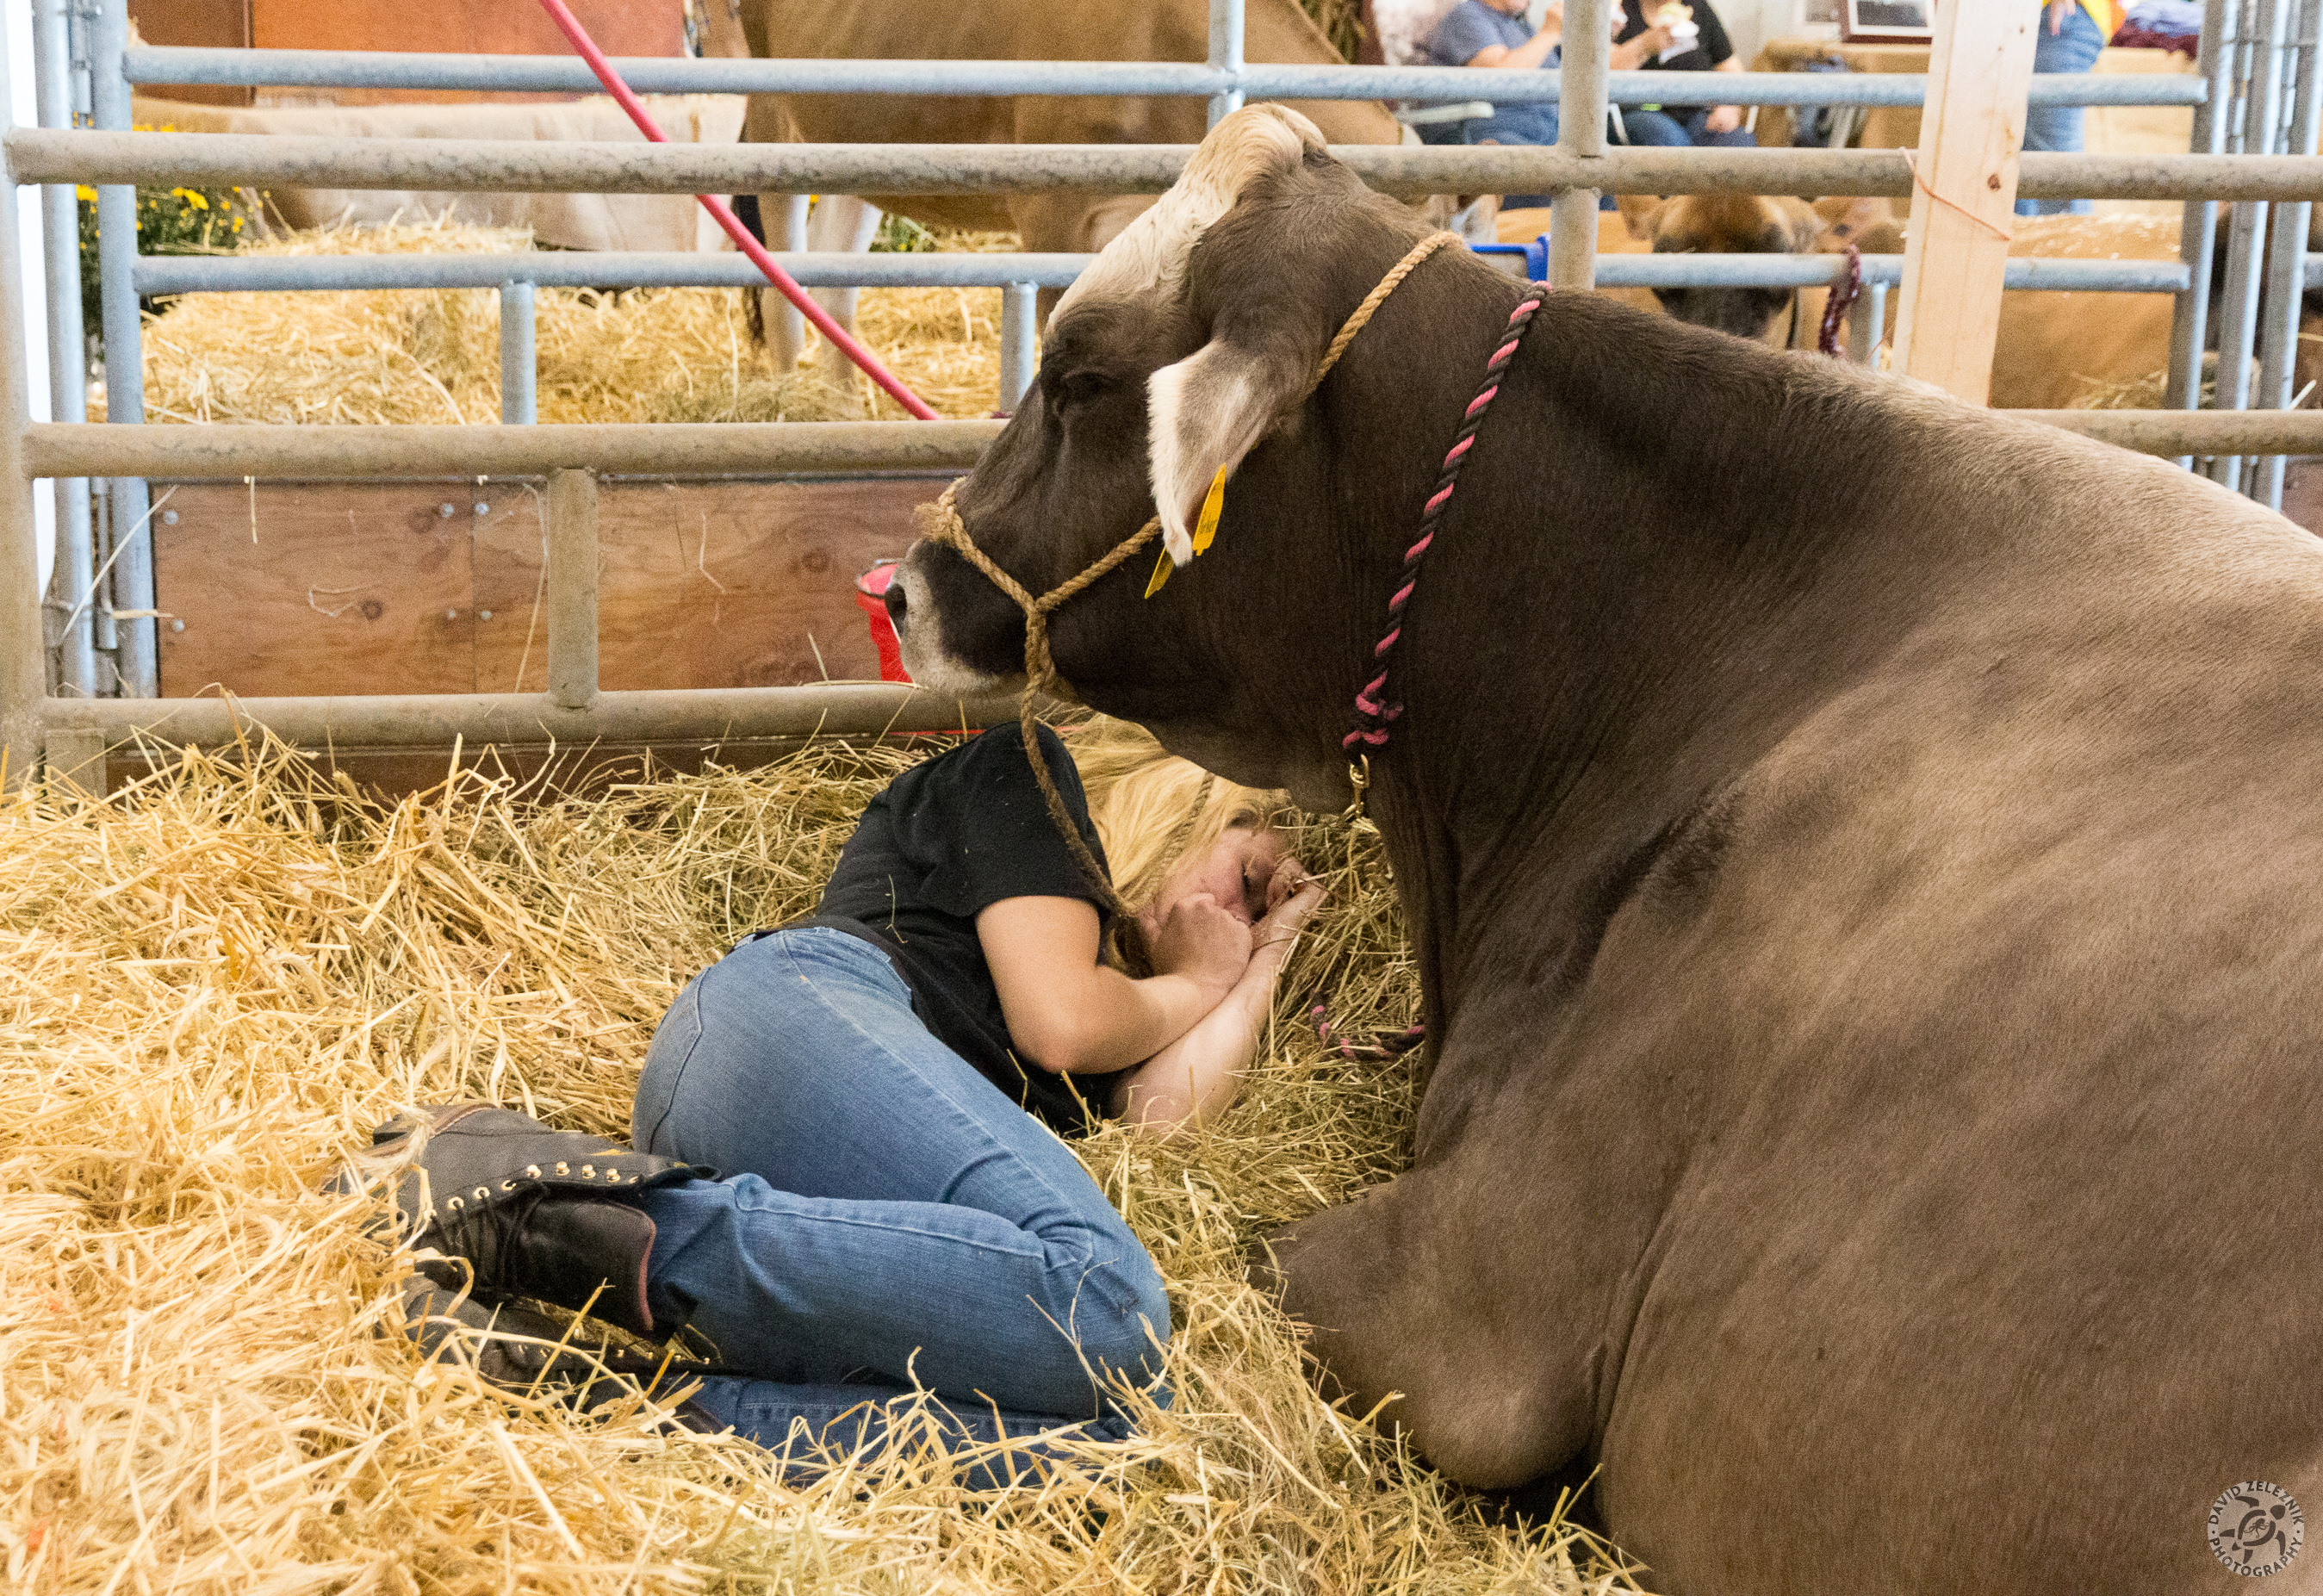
x: 86, y: 192
x: 190, y: 197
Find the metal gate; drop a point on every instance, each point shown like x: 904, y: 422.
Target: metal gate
x: 2255, y: 118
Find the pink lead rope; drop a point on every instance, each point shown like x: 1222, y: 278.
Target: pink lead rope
x: 1374, y: 713
x: 846, y: 343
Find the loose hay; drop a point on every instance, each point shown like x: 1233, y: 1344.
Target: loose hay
x: 432, y: 355
x: 211, y: 986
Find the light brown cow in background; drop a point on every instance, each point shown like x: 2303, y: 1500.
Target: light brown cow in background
x: 2055, y: 348
x: 1276, y: 32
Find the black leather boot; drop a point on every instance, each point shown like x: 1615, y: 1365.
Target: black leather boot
x: 519, y: 1209
x: 520, y: 1350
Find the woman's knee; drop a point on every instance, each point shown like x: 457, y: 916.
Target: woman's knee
x: 1116, y: 1312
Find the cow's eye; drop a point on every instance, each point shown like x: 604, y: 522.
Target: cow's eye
x: 1079, y: 388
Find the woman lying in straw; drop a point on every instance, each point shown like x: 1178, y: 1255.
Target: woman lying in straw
x: 868, y: 1083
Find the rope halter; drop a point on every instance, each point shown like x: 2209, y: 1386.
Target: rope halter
x: 940, y: 523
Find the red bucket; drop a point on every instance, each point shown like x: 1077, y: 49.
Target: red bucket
x: 871, y: 594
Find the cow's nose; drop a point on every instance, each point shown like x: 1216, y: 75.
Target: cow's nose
x: 896, y: 604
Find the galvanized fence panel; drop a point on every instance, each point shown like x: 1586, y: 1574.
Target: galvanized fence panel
x: 2256, y: 81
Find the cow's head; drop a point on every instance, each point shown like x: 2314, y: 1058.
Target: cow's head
x: 1188, y: 347
x: 1730, y: 224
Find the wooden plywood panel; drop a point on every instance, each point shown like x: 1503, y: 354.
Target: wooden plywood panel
x: 355, y: 588
x: 326, y: 588
x: 479, y: 27
x: 713, y: 585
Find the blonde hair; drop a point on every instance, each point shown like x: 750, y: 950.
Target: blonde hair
x: 1152, y: 808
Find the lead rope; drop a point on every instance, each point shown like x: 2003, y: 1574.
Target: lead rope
x: 1835, y: 308
x: 1373, y: 711
x: 940, y: 522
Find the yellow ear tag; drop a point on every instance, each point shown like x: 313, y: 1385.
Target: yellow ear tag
x: 1213, y: 504
x: 1205, y: 532
x: 1162, y: 569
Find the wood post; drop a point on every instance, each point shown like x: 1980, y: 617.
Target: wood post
x: 1964, y: 192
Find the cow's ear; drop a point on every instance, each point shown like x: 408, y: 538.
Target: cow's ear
x: 1801, y: 226
x: 1206, y: 412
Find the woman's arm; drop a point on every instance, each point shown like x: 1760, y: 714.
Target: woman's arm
x: 1528, y: 55
x: 1725, y: 118
x: 1631, y: 53
x: 1199, y: 1075
x: 1067, y: 1012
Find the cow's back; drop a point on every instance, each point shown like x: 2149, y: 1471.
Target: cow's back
x: 1997, y: 979
x: 1276, y: 32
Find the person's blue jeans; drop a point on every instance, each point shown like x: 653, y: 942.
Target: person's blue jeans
x: 2074, y: 48
x: 886, y: 1216
x: 1679, y: 128
x: 1518, y: 125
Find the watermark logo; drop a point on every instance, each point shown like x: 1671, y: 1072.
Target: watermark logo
x: 2255, y: 1529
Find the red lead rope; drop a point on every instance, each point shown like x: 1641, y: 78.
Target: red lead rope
x: 846, y: 343
x: 1374, y: 712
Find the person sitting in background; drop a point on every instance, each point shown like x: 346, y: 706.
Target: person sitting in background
x: 1698, y: 42
x: 2069, y: 35
x: 1493, y: 35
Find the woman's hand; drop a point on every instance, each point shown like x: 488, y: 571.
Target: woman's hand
x: 1199, y: 1075
x: 1724, y: 119
x: 1632, y: 53
x: 1200, y: 939
x: 1291, y: 895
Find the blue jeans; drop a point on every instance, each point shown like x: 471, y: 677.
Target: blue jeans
x: 1679, y: 128
x: 1518, y: 125
x: 2059, y: 127
x: 887, y: 1216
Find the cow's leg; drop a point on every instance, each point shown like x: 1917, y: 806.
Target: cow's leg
x: 785, y: 218
x: 841, y: 225
x: 1413, y: 1288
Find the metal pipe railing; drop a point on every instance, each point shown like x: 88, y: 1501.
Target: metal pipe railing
x: 24, y: 650
x: 597, y: 269
x: 1226, y: 62
x: 727, y: 448
x: 2252, y: 132
x: 501, y: 74
x: 1581, y: 145
x: 519, y: 339
x: 574, y: 707
x: 77, y: 669
x: 762, y: 449
x: 2287, y: 262
x: 2181, y: 388
x: 36, y: 155
x: 520, y: 354
x: 1815, y: 271
x: 834, y: 708
x: 1020, y: 351
x: 136, y: 653
x: 184, y: 274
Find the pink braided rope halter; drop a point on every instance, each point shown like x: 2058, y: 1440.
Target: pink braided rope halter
x: 1374, y: 713
x: 1834, y: 309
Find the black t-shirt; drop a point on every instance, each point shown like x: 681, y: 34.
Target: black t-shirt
x: 945, y: 840
x: 1711, y: 48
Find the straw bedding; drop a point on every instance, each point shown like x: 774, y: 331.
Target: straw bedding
x: 649, y: 354
x: 212, y: 986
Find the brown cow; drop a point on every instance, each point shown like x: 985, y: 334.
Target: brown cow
x: 1277, y: 31
x: 1861, y: 859
x: 2054, y: 348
